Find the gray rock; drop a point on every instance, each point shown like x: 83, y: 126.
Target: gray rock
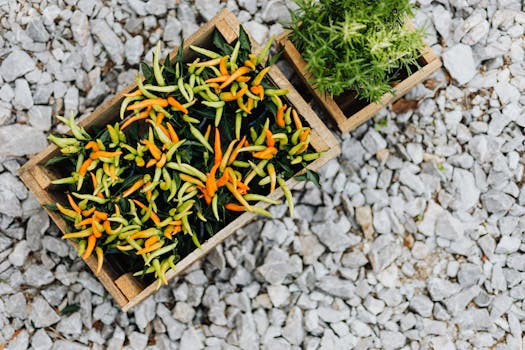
x: 36, y: 31
x: 259, y: 31
x: 138, y: 6
x: 278, y: 295
x: 16, y: 306
x: 16, y: 64
x: 336, y: 286
x: 109, y: 40
x: 42, y: 315
x: 71, y: 101
x: 373, y: 141
x: 354, y: 259
x: 508, y: 244
x: 459, y: 62
x: 208, y: 8
x: 415, y: 151
x: 138, y: 341
x: 334, y: 235
x: 183, y: 312
x: 41, y: 341
x: 190, y: 340
x: 23, y: 98
x: 467, y: 192
x: 156, y: 7
x: 248, y: 5
x: 457, y: 303
x: 487, y: 245
x: 38, y: 276
x: 473, y: 29
x: 448, y: 227
x: 277, y: 267
x: 275, y: 10
x: 441, y: 289
x: 412, y: 181
x: 498, y: 280
x: 145, y: 313
x: 516, y: 261
x: 20, y: 140
x: 19, y: 341
x: 134, y: 49
x: 172, y: 30
x: 363, y: 217
x: 71, y: 325
x: 80, y: 27
x: 392, y: 340
x: 40, y: 117
x: 469, y: 274
x: 293, y: 331
x: 383, y: 252
x: 422, y: 305
x: 428, y: 224
x: 19, y: 254
x: 496, y: 201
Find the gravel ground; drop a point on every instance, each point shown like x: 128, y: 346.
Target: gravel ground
x: 415, y: 241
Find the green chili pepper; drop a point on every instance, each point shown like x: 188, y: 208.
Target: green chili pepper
x: 205, y: 52
x: 197, y: 134
x: 287, y: 195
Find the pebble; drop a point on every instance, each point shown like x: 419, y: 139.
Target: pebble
x: 459, y: 62
x: 23, y: 98
x: 41, y: 314
x: 109, y: 40
x: 16, y: 64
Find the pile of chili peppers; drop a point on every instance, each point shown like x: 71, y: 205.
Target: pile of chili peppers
x: 198, y: 143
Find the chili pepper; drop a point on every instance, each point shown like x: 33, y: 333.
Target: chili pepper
x: 219, y: 79
x: 79, y: 234
x: 259, y: 77
x: 177, y: 105
x: 279, y: 119
x: 296, y: 160
x: 156, y: 68
x: 197, y: 134
x: 104, y: 154
x: 272, y: 175
x: 63, y: 141
x: 91, y: 241
x: 190, y: 179
x: 73, y: 205
x: 260, y: 198
x: 212, y: 62
x: 78, y: 132
x: 212, y: 104
x: 153, y: 149
x: 261, y: 211
x: 264, y: 52
x: 126, y: 102
x: 97, y: 228
x: 145, y: 92
x: 205, y: 52
x: 67, y: 212
x: 234, y: 207
x: 311, y: 156
x: 217, y: 147
x: 151, y: 248
x: 239, y: 72
x: 133, y: 94
x: 242, y: 106
x: 138, y: 184
x: 238, y: 196
x: 298, y: 149
x: 148, y: 103
x: 304, y: 136
x: 268, y: 153
x: 183, y: 91
x: 258, y: 90
x: 90, y: 197
x: 166, y: 89
x: 249, y: 64
x: 222, y: 66
x: 287, y: 195
x: 81, y: 247
x: 100, y: 259
x: 296, y: 119
x: 159, y: 252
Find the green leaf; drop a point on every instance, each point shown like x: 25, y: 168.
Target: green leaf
x: 69, y: 309
x: 56, y: 160
x: 274, y: 58
x: 311, y: 176
x: 244, y: 39
x: 221, y: 44
x: 147, y: 71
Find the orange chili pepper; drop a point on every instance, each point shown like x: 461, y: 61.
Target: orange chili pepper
x: 90, y: 246
x: 268, y: 153
x: 219, y: 79
x: 142, y: 115
x: 100, y: 215
x: 95, y: 230
x: 234, y: 207
x: 242, y: 106
x: 222, y: 66
x: 151, y: 240
x: 73, y: 204
x: 242, y: 91
x: 104, y: 154
x: 160, y: 116
x: 258, y: 90
x: 153, y: 149
x: 279, y: 117
x: 173, y: 135
x: 270, y: 142
x: 243, y: 79
x: 174, y: 103
x: 249, y: 64
x: 249, y: 105
x: 162, y: 161
x: 239, y: 72
x: 235, y: 151
x: 100, y: 259
x: 133, y: 94
x: 84, y: 222
x: 217, y: 147
x: 84, y: 167
x: 151, y: 163
x: 228, y: 96
x: 149, y: 249
x: 107, y: 227
x: 138, y: 184
x: 296, y: 119
x: 93, y: 179
x: 148, y: 103
x: 92, y: 145
x: 211, y: 182
x: 88, y: 212
x: 304, y: 135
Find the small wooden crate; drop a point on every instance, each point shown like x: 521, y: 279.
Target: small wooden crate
x: 361, y: 112
x: 127, y: 290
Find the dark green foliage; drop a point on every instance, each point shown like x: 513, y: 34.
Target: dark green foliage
x: 355, y: 45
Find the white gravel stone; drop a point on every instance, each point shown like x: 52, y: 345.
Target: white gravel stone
x: 42, y: 315
x: 80, y: 27
x: 109, y: 40
x: 16, y: 64
x: 23, y: 98
x: 459, y: 62
x: 259, y: 31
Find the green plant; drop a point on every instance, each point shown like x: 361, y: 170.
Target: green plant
x: 355, y: 45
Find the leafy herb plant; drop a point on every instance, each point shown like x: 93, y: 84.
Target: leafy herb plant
x: 199, y: 142
x: 360, y: 46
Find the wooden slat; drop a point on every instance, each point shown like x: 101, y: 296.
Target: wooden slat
x: 430, y: 63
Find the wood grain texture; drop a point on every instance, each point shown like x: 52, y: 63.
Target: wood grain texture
x: 127, y: 290
x: 429, y: 64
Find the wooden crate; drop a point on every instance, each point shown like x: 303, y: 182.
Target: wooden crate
x: 361, y: 112
x: 127, y: 290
